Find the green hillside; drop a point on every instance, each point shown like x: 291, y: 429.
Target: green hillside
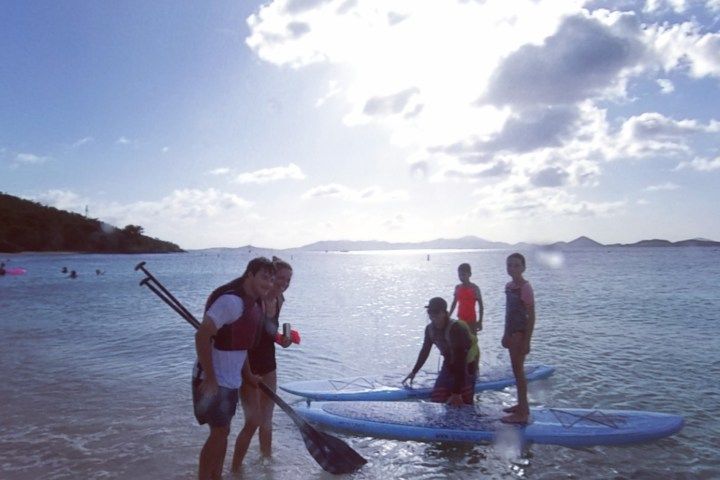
x: 27, y: 226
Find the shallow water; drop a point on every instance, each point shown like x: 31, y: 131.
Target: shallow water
x: 96, y: 369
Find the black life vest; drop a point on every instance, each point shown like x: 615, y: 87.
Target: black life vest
x: 242, y: 334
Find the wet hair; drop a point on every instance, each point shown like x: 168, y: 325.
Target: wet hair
x: 257, y: 264
x: 519, y: 256
x: 280, y: 264
x: 254, y: 266
x: 465, y: 267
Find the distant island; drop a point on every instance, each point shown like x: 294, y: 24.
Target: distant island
x: 471, y: 242
x: 27, y: 226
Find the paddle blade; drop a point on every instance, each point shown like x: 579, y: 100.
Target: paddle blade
x: 331, y: 453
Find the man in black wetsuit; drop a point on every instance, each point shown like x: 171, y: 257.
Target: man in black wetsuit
x: 456, y: 381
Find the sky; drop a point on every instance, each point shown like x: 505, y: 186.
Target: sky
x: 282, y: 123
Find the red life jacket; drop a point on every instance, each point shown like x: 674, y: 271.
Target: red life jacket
x: 242, y: 334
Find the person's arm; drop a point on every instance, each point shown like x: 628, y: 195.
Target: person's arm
x: 422, y: 357
x: 481, y: 308
x: 454, y: 302
x: 203, y: 347
x: 529, y: 327
x: 528, y: 298
x: 248, y: 376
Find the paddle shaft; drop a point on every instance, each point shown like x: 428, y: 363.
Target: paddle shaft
x: 141, y: 266
x: 190, y: 319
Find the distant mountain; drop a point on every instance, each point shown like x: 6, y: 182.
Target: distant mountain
x: 580, y: 242
x: 471, y: 242
x: 697, y: 242
x: 468, y: 242
x: 27, y: 226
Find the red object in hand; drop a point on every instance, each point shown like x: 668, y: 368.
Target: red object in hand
x: 294, y: 336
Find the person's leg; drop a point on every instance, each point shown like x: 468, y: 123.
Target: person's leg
x: 249, y: 400
x: 520, y: 412
x: 266, y: 415
x: 443, y: 386
x: 212, y: 455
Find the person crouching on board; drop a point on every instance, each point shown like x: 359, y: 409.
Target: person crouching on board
x: 455, y: 383
x: 233, y: 313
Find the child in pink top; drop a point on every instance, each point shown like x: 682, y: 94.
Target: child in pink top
x: 467, y: 294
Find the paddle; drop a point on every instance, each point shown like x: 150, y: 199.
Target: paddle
x: 331, y: 453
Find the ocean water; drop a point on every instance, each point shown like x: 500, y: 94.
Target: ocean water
x: 96, y: 370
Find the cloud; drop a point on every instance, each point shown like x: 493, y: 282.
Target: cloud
x: 666, y: 86
x: 265, y: 175
x: 549, y: 177
x: 62, y: 199
x: 219, y: 171
x: 83, y: 141
x: 30, y: 159
x: 393, y: 104
x: 473, y: 173
x: 685, y: 47
x: 372, y: 194
x: 512, y: 201
x: 662, y: 187
x: 653, y: 133
x: 700, y: 164
x: 398, y: 222
x: 534, y: 128
x: 581, y: 60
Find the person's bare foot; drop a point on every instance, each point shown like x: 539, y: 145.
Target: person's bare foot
x: 512, y: 409
x: 516, y: 418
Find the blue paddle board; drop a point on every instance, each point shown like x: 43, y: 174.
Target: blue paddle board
x: 437, y: 422
x: 389, y: 387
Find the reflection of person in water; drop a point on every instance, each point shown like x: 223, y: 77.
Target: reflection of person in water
x: 64, y: 270
x: 73, y: 274
x: 2, y: 268
x: 98, y: 271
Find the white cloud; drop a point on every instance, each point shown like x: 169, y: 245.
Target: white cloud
x: 62, y: 199
x: 666, y: 86
x: 662, y: 187
x: 372, y: 194
x: 700, y: 164
x: 30, y: 159
x: 194, y: 218
x: 219, y: 171
x: 165, y: 149
x: 655, y: 134
x: 511, y: 200
x: 685, y: 47
x: 654, y: 6
x: 83, y: 141
x: 265, y: 175
x: 122, y: 141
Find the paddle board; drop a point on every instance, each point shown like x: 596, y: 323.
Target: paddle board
x: 389, y: 387
x: 437, y: 422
